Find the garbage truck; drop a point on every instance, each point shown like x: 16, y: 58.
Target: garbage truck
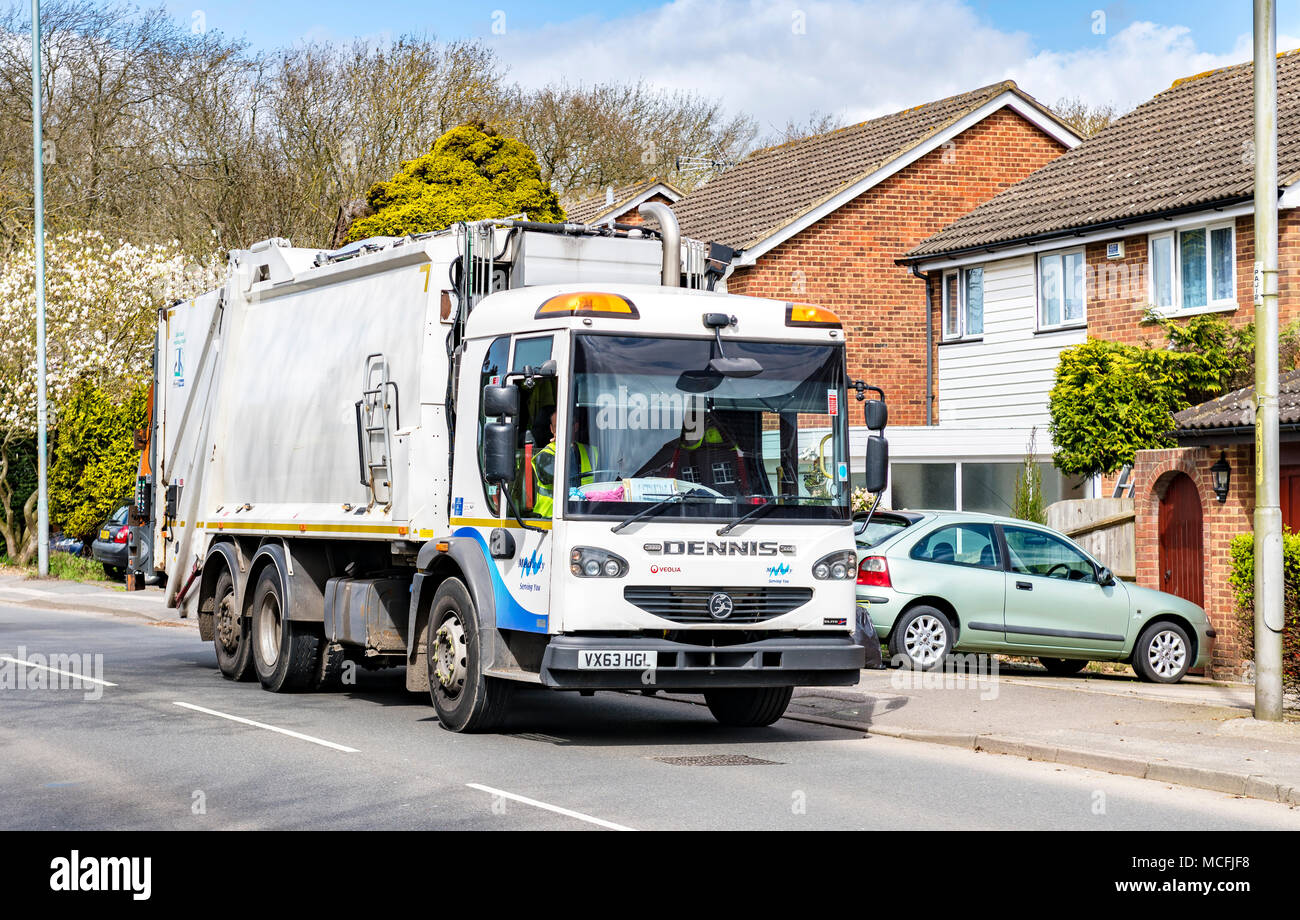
x: 508, y: 453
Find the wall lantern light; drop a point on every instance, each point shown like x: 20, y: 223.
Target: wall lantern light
x: 1221, y: 476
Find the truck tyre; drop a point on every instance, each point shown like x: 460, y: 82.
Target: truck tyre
x: 284, y: 652
x: 465, y: 698
x: 1163, y: 653
x: 1063, y: 667
x: 230, y: 632
x: 748, y: 707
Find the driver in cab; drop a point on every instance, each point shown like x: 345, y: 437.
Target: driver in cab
x: 581, y: 466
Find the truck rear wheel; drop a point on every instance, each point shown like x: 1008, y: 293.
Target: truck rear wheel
x: 465, y: 698
x: 284, y: 652
x: 230, y: 632
x: 748, y: 707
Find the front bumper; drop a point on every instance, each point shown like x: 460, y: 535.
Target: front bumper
x: 828, y: 660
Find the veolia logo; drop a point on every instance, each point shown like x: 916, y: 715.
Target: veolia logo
x: 531, y: 565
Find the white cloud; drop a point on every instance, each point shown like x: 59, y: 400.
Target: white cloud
x: 783, y: 60
x: 1128, y: 68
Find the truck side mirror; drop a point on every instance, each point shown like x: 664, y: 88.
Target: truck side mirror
x: 877, y: 464
x: 875, y: 414
x: 501, y: 400
x: 499, y: 451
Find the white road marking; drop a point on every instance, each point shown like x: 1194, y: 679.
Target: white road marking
x: 41, y: 667
x: 271, y: 728
x: 555, y: 808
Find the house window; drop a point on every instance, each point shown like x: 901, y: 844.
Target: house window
x: 963, y: 303
x: 1061, y: 289
x: 1193, y: 269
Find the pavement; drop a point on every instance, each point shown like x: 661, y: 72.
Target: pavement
x: 1196, y: 733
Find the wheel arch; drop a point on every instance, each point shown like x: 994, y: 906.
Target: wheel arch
x: 1165, y: 616
x: 222, y: 556
x: 940, y: 604
x: 303, y: 571
x: 463, y: 558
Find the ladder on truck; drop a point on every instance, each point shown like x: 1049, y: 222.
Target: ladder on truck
x: 375, y: 419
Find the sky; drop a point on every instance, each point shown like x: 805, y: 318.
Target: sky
x: 781, y: 60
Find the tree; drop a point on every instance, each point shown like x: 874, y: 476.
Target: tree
x: 470, y: 174
x: 1111, y: 400
x: 101, y: 312
x: 95, y: 462
x: 1027, y: 505
x: 590, y: 137
x: 1086, y: 120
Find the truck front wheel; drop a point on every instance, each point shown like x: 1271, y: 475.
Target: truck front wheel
x: 748, y: 707
x: 284, y: 652
x: 465, y: 698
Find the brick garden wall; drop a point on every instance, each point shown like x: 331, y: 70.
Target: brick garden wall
x: 846, y: 260
x: 1220, y: 523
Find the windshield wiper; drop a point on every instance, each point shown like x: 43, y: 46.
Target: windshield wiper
x: 753, y: 512
x: 674, y: 499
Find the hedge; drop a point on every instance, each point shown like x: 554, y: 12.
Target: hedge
x: 1242, y: 580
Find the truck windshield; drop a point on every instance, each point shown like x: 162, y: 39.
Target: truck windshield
x: 650, y: 420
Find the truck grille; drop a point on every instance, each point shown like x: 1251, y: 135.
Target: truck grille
x: 686, y: 604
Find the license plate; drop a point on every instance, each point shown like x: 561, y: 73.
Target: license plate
x: 103, y: 535
x: 616, y: 660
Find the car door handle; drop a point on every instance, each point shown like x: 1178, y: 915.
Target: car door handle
x: 1024, y: 586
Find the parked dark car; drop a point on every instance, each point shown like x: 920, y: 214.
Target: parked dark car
x: 110, y: 544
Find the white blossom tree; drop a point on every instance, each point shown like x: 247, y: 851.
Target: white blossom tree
x: 102, y: 302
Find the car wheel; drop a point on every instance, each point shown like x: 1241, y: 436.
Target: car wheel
x: 1063, y: 667
x: 1163, y: 653
x: 921, y: 639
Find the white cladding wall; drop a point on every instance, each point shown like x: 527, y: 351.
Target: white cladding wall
x: 1002, y: 381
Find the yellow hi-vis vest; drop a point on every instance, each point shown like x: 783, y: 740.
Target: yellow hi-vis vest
x: 544, y: 474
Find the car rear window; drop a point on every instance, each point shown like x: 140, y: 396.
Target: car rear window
x: 119, y: 516
x: 881, y: 528
x: 960, y: 544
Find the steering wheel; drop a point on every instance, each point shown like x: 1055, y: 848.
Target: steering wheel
x: 1059, y: 565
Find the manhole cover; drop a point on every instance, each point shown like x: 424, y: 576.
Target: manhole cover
x: 718, y: 760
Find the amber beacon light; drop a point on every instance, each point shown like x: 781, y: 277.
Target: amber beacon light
x: 809, y: 314
x: 588, y: 303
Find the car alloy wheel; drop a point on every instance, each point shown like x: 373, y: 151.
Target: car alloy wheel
x: 1167, y: 653
x: 924, y: 640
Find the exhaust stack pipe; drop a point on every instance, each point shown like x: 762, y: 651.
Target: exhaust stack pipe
x: 672, y: 239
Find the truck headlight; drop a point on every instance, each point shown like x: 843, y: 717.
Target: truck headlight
x: 589, y: 562
x: 840, y: 566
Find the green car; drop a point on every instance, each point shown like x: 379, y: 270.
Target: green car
x: 938, y: 582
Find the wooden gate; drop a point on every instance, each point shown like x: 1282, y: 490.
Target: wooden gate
x: 1182, y: 566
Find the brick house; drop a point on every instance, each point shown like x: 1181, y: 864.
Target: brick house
x: 1195, y: 557
x: 824, y: 218
x: 1154, y: 213
x: 620, y: 205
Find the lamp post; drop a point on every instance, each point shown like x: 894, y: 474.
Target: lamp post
x: 1268, y: 509
x: 38, y: 182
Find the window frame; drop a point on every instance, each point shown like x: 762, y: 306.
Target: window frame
x: 963, y: 333
x: 1060, y: 254
x: 1174, y: 235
